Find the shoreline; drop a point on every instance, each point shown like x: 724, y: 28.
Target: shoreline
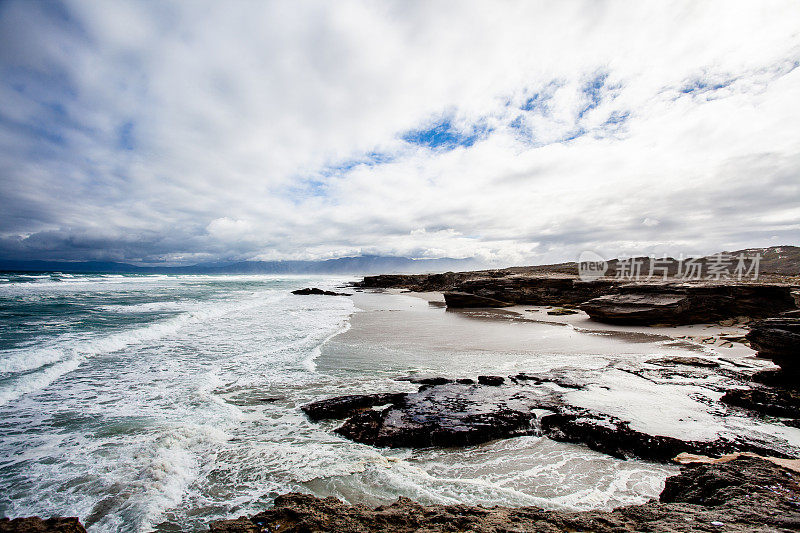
x: 565, y: 364
x: 721, y: 343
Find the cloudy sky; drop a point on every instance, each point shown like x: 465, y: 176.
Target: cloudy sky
x: 512, y: 132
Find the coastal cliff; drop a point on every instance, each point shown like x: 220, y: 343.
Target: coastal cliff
x: 607, y: 299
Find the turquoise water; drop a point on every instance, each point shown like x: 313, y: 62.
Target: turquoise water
x: 142, y: 403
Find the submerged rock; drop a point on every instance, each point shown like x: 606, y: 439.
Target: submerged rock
x: 743, y: 495
x: 34, y: 524
x: 307, y: 291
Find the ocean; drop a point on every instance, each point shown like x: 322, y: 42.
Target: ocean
x: 155, y: 402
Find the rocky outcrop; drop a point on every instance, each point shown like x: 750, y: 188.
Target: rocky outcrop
x: 615, y: 437
x: 537, y: 290
x: 745, y: 494
x: 460, y: 414
x: 642, y: 304
x: 452, y: 414
x: 344, y: 406
x: 34, y: 524
x: 606, y: 300
x: 315, y: 290
x: 466, y: 299
x: 771, y: 401
x: 778, y: 339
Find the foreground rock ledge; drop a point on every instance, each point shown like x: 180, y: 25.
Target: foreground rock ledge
x: 34, y: 524
x: 745, y: 494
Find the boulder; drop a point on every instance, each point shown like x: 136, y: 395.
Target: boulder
x: 308, y: 290
x: 465, y: 299
x: 492, y: 381
x: 778, y: 339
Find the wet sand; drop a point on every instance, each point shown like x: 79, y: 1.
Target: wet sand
x: 396, y: 334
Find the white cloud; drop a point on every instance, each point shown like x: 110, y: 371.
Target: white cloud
x: 155, y: 121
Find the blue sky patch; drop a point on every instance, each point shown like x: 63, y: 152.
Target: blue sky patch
x: 125, y: 140
x: 593, y: 90
x: 537, y: 102
x: 369, y: 159
x: 699, y: 86
x: 443, y: 135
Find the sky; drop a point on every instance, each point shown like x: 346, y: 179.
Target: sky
x: 510, y: 132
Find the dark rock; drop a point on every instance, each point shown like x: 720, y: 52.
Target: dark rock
x: 448, y: 415
x: 536, y: 290
x: 646, y: 304
x: 776, y: 378
x: 458, y: 415
x: 426, y: 380
x: 615, y: 437
x: 683, y: 360
x: 607, y: 300
x: 744, y: 495
x: 415, y: 282
x: 728, y: 482
x: 465, y: 299
x: 465, y: 381
x: 316, y: 291
x: 34, y: 524
x: 778, y: 339
x: 772, y: 401
x: 560, y: 378
x: 492, y: 381
x: 344, y: 406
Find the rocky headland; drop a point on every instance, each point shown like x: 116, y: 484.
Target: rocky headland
x: 606, y: 300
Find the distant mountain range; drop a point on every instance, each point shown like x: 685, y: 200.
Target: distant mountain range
x: 783, y: 260
x: 365, y: 264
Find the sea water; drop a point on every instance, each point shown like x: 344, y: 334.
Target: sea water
x: 153, y: 402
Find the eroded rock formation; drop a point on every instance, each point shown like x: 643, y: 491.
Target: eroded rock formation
x: 746, y: 494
